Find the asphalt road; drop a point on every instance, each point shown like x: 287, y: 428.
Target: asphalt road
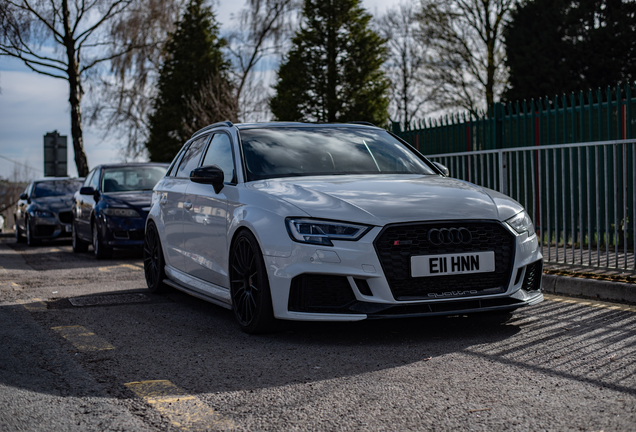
x: 83, y: 347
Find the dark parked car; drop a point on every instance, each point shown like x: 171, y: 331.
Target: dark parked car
x: 44, y: 209
x: 110, y: 209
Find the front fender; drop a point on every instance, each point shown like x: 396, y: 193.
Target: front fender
x: 268, y: 228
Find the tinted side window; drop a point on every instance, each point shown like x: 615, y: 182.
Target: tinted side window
x: 89, y: 177
x: 95, y: 179
x: 191, y: 158
x: 172, y: 169
x: 220, y: 153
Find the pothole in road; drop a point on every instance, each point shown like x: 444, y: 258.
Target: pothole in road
x: 100, y: 300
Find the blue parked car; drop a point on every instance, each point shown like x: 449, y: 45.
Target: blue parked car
x: 110, y: 209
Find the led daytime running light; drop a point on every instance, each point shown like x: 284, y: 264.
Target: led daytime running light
x: 322, y: 232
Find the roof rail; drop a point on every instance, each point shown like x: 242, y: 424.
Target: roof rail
x: 212, y: 126
x: 362, y: 123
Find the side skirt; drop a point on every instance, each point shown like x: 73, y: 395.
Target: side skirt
x: 198, y: 288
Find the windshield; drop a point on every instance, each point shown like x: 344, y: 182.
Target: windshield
x: 126, y: 179
x: 307, y: 151
x: 56, y: 188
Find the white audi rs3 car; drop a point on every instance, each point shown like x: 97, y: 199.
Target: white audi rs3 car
x: 333, y: 222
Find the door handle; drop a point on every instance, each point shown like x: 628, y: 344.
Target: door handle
x: 187, y: 205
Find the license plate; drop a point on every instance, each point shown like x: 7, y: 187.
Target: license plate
x: 67, y: 228
x: 452, y: 264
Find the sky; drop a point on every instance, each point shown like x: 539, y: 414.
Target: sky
x: 32, y: 105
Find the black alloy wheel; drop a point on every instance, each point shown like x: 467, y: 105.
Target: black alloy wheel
x: 18, y: 234
x: 31, y: 241
x: 78, y: 244
x: 154, y: 261
x: 101, y: 251
x: 249, y: 286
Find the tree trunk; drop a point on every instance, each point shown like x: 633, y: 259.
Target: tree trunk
x: 75, y: 95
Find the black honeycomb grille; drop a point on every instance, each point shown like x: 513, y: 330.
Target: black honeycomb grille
x: 320, y: 293
x: 532, y: 279
x: 396, y: 259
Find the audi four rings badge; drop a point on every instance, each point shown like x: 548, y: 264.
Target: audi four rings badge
x: 449, y: 236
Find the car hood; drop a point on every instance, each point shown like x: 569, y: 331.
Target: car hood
x: 54, y: 204
x: 380, y: 200
x: 139, y: 199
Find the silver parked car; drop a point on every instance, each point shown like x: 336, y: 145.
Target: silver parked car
x: 333, y: 222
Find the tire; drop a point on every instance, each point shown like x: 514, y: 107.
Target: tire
x: 100, y: 251
x: 18, y: 234
x: 79, y: 245
x: 154, y: 261
x: 249, y: 286
x: 31, y: 241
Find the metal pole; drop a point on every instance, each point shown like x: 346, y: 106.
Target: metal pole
x: 589, y: 214
x: 563, y: 208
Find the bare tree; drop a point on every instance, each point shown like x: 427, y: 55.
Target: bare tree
x: 468, y: 59
x: 214, y: 100
x: 76, y: 29
x: 125, y: 95
x: 406, y: 64
x: 263, y: 28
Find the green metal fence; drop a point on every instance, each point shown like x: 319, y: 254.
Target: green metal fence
x: 600, y: 115
x: 569, y: 160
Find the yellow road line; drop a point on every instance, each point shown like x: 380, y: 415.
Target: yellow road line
x: 128, y: 266
x: 34, y: 305
x: 592, y: 303
x: 182, y: 410
x: 11, y: 284
x: 82, y: 338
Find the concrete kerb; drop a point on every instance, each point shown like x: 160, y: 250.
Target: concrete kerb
x: 590, y: 288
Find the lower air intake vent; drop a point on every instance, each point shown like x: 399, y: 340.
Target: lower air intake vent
x: 320, y: 293
x: 532, y: 279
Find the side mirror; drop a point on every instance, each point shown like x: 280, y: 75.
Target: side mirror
x: 86, y: 190
x: 210, y: 174
x: 442, y: 168
x: 23, y: 196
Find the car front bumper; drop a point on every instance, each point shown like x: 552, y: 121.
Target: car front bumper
x: 122, y: 232
x: 348, y: 282
x: 50, y: 227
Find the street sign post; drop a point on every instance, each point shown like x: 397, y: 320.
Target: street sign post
x: 55, y: 155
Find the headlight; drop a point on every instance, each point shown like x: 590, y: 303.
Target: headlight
x: 321, y: 232
x: 42, y: 214
x: 120, y: 212
x: 521, y: 223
